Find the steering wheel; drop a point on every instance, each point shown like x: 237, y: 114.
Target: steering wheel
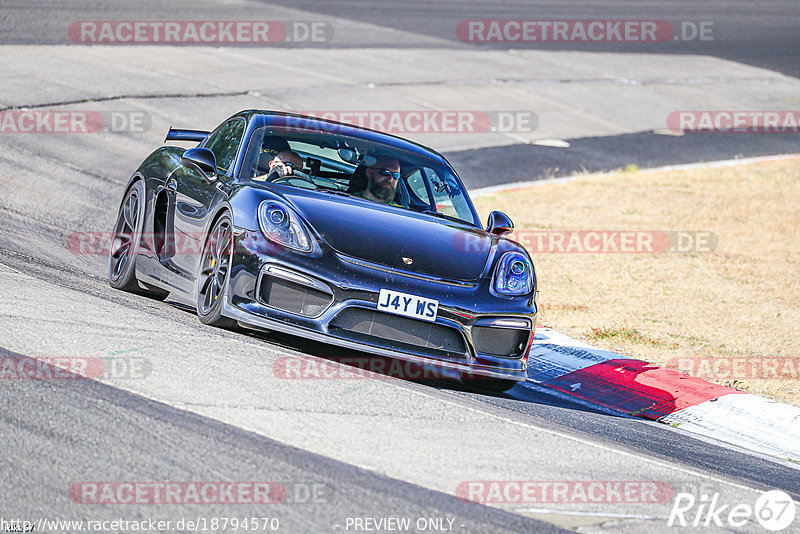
x: 286, y: 179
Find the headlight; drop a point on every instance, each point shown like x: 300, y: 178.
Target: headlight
x: 514, y: 275
x: 282, y: 225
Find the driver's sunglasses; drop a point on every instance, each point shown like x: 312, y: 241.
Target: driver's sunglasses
x: 387, y: 172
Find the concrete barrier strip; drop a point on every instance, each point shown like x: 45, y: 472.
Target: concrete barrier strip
x: 641, y: 389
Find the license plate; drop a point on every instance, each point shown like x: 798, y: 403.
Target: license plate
x: 408, y: 305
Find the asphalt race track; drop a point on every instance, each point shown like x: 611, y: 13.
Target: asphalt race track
x: 191, y: 403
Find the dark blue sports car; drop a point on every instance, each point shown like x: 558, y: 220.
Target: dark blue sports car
x: 330, y: 232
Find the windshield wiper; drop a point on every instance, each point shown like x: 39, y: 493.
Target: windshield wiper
x: 448, y: 217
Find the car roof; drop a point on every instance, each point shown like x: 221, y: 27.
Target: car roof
x: 279, y: 118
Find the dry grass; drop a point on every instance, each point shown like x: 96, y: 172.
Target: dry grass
x: 741, y: 300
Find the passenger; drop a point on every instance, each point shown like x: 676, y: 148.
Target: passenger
x: 271, y: 145
x: 286, y: 162
x: 283, y: 164
x: 382, y: 177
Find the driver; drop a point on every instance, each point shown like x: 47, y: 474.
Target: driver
x: 382, y: 177
x: 283, y: 164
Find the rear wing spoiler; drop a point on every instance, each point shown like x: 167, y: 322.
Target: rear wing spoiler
x: 175, y: 134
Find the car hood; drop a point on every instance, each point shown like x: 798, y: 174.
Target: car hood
x: 389, y: 236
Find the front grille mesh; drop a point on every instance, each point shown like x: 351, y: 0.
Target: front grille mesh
x: 293, y: 298
x: 503, y: 342
x: 395, y: 331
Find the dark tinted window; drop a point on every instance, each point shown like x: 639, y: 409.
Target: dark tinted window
x: 426, y: 183
x: 224, y: 142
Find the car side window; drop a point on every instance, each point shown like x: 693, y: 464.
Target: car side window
x: 416, y: 185
x: 448, y: 196
x: 224, y: 142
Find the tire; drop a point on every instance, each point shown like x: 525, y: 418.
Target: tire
x: 214, y: 272
x: 494, y: 385
x: 125, y: 242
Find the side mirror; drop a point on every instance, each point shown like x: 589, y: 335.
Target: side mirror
x: 201, y: 159
x: 499, y: 223
x: 348, y: 154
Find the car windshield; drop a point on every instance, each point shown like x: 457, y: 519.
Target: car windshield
x: 340, y: 164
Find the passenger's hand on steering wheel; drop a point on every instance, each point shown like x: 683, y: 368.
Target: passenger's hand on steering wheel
x: 279, y: 169
x: 277, y: 177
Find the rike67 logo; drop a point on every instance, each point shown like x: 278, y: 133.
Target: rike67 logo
x: 774, y: 510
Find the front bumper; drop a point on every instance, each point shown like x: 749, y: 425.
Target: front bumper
x: 467, y: 310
